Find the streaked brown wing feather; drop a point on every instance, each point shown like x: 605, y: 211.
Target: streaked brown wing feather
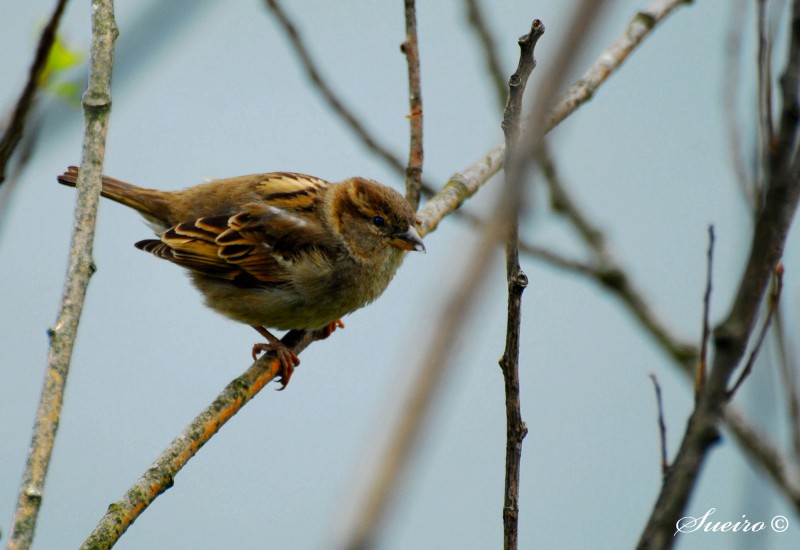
x: 255, y: 246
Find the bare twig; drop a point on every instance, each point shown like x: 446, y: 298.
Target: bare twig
x: 410, y: 48
x: 517, y: 281
x: 700, y: 372
x: 662, y: 427
x: 460, y: 187
x: 772, y: 306
x: 772, y: 224
x: 16, y: 126
x: 97, y: 106
x: 161, y: 474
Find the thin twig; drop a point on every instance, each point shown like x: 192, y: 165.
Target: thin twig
x: 772, y: 306
x: 16, y: 126
x: 97, y: 106
x: 410, y: 48
x: 772, y: 224
x: 161, y: 474
x: 460, y: 187
x: 702, y: 363
x: 517, y: 281
x: 662, y: 426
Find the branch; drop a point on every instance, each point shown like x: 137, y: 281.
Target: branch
x: 730, y: 341
x: 662, y: 427
x: 410, y: 48
x: 702, y: 363
x: 774, y: 300
x: 517, y: 281
x: 16, y: 127
x: 97, y: 106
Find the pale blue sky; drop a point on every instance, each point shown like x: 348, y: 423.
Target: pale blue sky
x: 215, y: 92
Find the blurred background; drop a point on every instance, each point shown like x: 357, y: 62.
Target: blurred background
x: 208, y: 89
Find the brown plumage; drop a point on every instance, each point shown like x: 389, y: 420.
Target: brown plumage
x: 278, y: 250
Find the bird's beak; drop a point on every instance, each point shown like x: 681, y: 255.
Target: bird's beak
x: 408, y: 240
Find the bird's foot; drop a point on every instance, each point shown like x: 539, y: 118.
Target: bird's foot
x: 287, y: 358
x: 328, y: 329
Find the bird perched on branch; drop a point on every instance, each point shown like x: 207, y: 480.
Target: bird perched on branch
x: 279, y: 250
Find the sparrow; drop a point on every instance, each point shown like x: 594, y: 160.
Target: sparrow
x: 279, y: 250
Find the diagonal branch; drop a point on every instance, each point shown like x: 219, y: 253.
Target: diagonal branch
x: 97, y: 107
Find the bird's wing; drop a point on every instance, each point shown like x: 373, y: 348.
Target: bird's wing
x: 260, y: 243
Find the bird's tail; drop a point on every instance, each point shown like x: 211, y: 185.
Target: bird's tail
x: 148, y: 202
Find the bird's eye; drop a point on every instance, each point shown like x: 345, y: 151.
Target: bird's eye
x: 378, y: 221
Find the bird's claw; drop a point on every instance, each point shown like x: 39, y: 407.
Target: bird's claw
x: 328, y: 329
x: 287, y: 359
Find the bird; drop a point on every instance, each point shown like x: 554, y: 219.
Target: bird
x: 278, y: 250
